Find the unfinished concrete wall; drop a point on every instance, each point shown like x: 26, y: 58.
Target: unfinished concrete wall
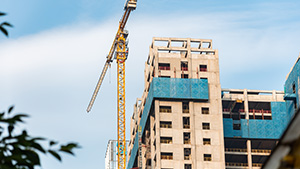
x: 180, y: 130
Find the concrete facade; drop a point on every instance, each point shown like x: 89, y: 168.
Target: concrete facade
x: 189, y: 122
x: 180, y: 131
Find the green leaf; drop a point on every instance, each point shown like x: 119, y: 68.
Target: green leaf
x: 51, y: 143
x: 66, y: 150
x: 10, y: 129
x: 1, y: 13
x: 7, y: 24
x: 32, y: 156
x: 19, y: 117
x: 11, y: 107
x: 55, y: 154
x: 38, y: 147
x: 4, y: 31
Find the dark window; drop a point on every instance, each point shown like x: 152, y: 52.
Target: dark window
x: 294, y: 88
x: 186, y: 122
x: 203, y: 68
x: 205, y: 126
x: 187, y: 138
x: 165, y: 109
x: 163, y: 66
x: 187, y: 166
x: 205, y: 110
x: 187, y: 154
x: 184, y: 66
x: 236, y: 126
x: 207, y: 157
x: 206, y: 141
x: 226, y: 116
x: 184, y: 76
x: 185, y: 107
x: 166, y: 140
x: 166, y: 124
x: 165, y: 76
x: 166, y: 156
x: 268, y: 117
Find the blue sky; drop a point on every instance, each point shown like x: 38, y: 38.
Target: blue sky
x: 50, y: 64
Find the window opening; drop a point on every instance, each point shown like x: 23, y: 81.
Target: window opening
x: 187, y: 154
x: 184, y: 66
x: 166, y: 124
x: 165, y: 76
x: 294, y: 88
x: 206, y: 141
x: 187, y: 138
x: 186, y: 122
x: 165, y: 109
x: 207, y: 157
x: 236, y: 126
x: 203, y: 68
x: 205, y: 110
x: 163, y: 66
x: 166, y: 156
x: 184, y: 76
x: 187, y: 166
x: 166, y: 140
x: 205, y: 126
x: 185, y: 107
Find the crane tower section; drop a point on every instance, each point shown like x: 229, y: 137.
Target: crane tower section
x: 120, y: 51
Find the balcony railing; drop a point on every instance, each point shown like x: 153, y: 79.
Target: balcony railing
x: 207, y: 158
x: 185, y: 111
x: 187, y: 157
x: 259, y: 111
x: 260, y: 151
x: 256, y: 165
x: 165, y: 141
x: 184, y: 68
x: 166, y: 157
x: 165, y: 110
x: 237, y: 164
x: 186, y: 126
x: 187, y: 141
x: 206, y: 142
x: 165, y: 125
x: 235, y: 150
x: 163, y: 67
x: 203, y: 69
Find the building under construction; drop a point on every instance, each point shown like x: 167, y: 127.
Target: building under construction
x: 188, y: 122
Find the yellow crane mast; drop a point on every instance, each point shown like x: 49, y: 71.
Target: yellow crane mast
x: 120, y: 50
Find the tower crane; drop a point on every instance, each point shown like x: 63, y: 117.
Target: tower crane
x: 119, y: 52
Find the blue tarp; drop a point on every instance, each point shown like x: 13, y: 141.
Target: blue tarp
x: 170, y: 88
x: 260, y: 129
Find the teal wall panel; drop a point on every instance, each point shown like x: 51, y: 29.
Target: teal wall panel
x: 170, y: 88
x: 260, y: 129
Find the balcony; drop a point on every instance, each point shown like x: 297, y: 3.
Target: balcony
x: 236, y: 164
x: 163, y: 67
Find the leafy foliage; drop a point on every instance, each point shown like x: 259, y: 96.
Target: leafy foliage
x: 21, y: 151
x: 3, y: 25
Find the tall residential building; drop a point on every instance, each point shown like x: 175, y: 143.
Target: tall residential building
x: 189, y: 122
x: 181, y: 108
